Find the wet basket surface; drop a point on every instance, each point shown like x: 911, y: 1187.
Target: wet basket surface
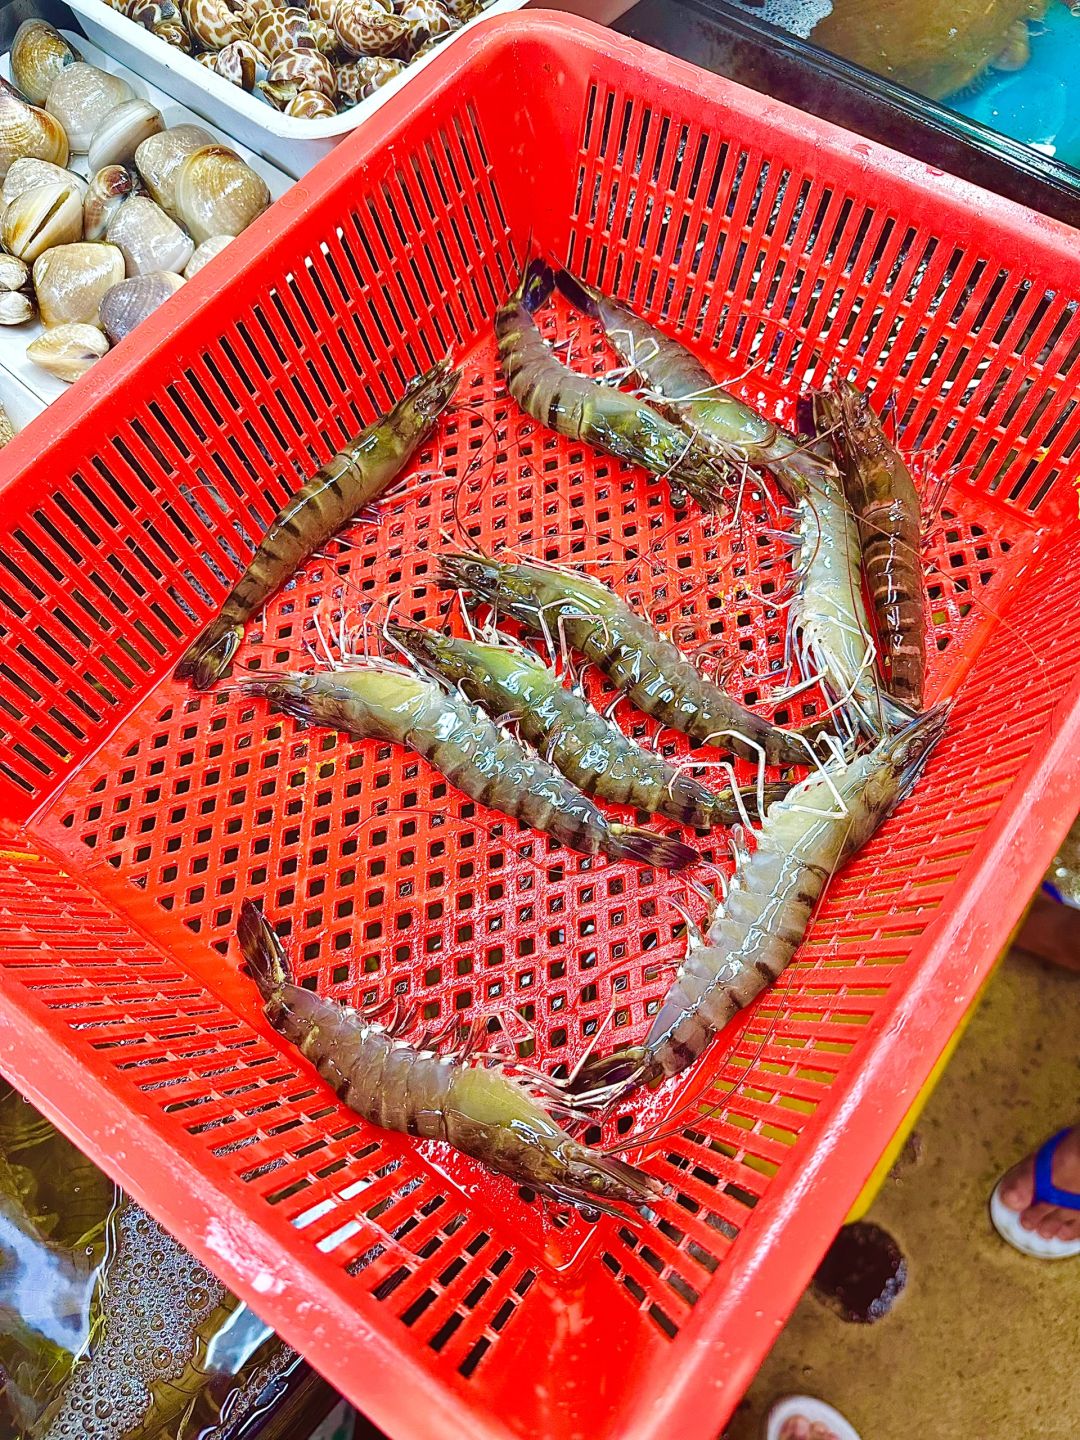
x: 140, y: 815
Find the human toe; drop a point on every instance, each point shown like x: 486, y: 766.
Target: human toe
x: 1018, y: 1185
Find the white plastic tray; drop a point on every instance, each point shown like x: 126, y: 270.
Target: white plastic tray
x: 15, y: 338
x: 293, y: 144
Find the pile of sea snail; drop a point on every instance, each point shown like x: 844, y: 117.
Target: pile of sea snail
x: 311, y: 60
x: 98, y: 255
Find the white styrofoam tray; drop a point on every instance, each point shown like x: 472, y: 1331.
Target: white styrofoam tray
x: 293, y: 144
x: 15, y: 338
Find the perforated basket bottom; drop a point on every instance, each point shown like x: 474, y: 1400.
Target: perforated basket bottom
x: 386, y: 882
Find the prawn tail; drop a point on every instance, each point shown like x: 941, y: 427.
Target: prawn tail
x: 583, y: 297
x: 632, y: 842
x: 909, y: 749
x: 537, y: 283
x: 605, y: 1079
x: 264, y: 957
x: 209, y: 656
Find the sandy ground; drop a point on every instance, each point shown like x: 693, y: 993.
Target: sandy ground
x: 983, y: 1344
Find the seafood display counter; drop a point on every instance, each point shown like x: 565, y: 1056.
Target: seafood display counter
x: 514, y: 704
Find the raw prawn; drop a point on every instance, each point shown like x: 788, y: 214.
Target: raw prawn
x: 754, y: 934
x: 416, y: 1091
x: 355, y: 476
x: 682, y: 389
x: 649, y: 669
x: 388, y: 702
x: 582, y: 409
x: 828, y: 611
x: 592, y: 752
x: 881, y: 493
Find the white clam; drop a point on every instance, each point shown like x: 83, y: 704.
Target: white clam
x: 148, y: 239
x: 159, y: 159
x: 28, y: 173
x: 68, y: 351
x: 72, y: 280
x: 217, y: 193
x: 206, y: 252
x: 15, y: 307
x: 38, y: 219
x: 81, y: 96
x: 14, y: 274
x: 122, y: 131
x: 108, y: 190
x: 128, y: 304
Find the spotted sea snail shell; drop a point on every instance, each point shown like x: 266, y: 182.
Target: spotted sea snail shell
x: 38, y: 54
x: 310, y: 105
x: 122, y: 132
x: 148, y: 239
x: 72, y: 280
x: 38, y: 219
x: 128, y: 304
x: 80, y: 97
x: 298, y: 70
x: 430, y: 17
x: 241, y: 63
x: 279, y: 30
x: 361, y: 78
x: 364, y: 28
x: 158, y: 160
x: 26, y: 131
x: 68, y: 351
x: 213, y: 23
x: 217, y: 193
x: 108, y: 190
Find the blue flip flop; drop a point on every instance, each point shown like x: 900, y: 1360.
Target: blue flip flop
x: 1007, y: 1222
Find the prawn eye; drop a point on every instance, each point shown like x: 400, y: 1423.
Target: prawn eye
x: 596, y: 1183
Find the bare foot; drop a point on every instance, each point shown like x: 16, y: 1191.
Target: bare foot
x: 798, y: 1428
x: 1018, y: 1188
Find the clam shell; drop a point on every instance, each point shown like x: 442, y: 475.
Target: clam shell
x: 217, y: 193
x: 306, y: 69
x: 364, y: 28
x: 80, y: 97
x: 206, y: 252
x: 108, y: 190
x: 26, y: 131
x: 148, y: 239
x: 30, y: 173
x: 38, y: 219
x: 15, y: 307
x: 38, y: 54
x: 128, y: 304
x: 13, y: 273
x: 361, y: 78
x: 122, y: 132
x: 68, y: 351
x: 213, y: 23
x: 159, y: 159
x: 72, y: 280
x: 310, y: 105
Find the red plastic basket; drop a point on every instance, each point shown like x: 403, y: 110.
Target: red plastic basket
x: 141, y: 814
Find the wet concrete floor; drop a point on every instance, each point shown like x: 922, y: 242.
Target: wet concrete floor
x: 984, y: 1344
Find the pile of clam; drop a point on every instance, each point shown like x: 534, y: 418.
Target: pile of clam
x: 309, y: 59
x: 96, y: 256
